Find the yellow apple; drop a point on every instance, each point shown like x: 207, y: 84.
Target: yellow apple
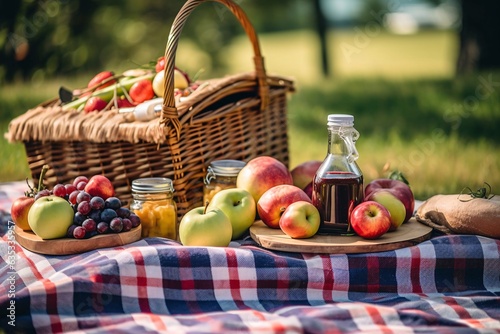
x: 238, y: 205
x: 159, y: 83
x: 395, y: 207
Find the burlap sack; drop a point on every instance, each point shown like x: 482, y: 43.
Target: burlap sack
x: 462, y: 214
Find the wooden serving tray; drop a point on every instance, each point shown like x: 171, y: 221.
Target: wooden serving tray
x: 408, y: 234
x: 66, y: 246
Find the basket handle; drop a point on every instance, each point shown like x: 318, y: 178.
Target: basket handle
x: 169, y: 112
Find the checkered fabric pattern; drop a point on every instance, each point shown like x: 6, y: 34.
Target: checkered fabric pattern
x: 448, y: 284
x: 9, y: 191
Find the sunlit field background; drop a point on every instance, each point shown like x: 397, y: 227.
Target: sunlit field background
x: 413, y: 114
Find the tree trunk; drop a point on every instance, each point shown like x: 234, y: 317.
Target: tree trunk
x: 480, y: 36
x: 322, y: 29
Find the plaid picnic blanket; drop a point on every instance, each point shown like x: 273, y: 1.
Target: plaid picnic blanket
x: 448, y: 284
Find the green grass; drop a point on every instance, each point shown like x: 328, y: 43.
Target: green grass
x: 403, y: 126
x: 412, y: 114
x: 429, y: 54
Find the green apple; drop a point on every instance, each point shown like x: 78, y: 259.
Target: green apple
x: 239, y: 206
x: 202, y: 227
x: 300, y: 220
x: 50, y: 217
x: 395, y: 207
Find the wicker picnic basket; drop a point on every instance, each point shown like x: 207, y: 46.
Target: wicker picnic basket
x: 240, y: 117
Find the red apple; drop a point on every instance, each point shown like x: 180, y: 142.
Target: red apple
x: 261, y: 174
x: 303, y: 174
x: 275, y: 200
x: 398, y: 188
x: 19, y: 211
x: 101, y: 186
x: 95, y: 103
x: 300, y: 220
x: 142, y: 91
x: 370, y: 220
x: 105, y: 77
x: 21, y: 206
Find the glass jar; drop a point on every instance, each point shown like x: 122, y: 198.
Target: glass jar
x: 338, y: 183
x: 153, y: 201
x: 221, y: 174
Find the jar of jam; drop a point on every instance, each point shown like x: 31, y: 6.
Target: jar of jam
x: 221, y: 174
x: 153, y: 201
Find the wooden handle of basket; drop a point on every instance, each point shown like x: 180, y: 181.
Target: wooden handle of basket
x: 169, y: 111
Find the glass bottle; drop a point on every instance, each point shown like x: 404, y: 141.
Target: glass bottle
x: 221, y: 174
x: 338, y: 183
x: 153, y: 201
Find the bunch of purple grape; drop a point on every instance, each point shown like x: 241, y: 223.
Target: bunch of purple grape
x: 94, y: 215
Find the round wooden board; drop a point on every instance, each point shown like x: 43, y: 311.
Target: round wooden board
x: 408, y: 234
x: 66, y: 246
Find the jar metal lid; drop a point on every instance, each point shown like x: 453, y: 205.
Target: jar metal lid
x: 226, y: 168
x: 152, y: 185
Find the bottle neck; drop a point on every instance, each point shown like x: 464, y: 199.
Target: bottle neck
x: 341, y: 141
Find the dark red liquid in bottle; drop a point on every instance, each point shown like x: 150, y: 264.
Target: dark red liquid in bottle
x: 335, y: 194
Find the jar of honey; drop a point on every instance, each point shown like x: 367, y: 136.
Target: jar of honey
x: 153, y: 201
x: 221, y: 174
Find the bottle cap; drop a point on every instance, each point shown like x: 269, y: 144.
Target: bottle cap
x: 151, y: 185
x: 340, y: 120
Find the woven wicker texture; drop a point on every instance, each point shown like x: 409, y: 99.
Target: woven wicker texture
x: 236, y: 117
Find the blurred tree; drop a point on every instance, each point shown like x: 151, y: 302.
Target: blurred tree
x: 479, y: 36
x: 45, y: 38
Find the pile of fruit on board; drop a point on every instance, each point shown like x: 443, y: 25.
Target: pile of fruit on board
x: 265, y: 189
x: 81, y: 209
x: 281, y: 198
